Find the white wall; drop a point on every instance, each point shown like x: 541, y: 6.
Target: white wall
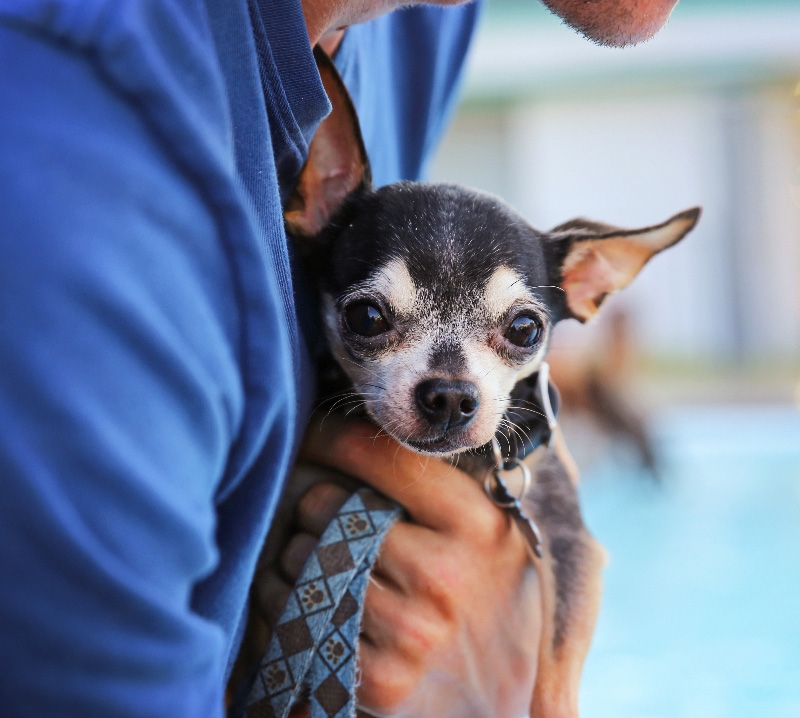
x: 731, y: 288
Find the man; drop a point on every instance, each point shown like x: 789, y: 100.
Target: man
x: 156, y: 350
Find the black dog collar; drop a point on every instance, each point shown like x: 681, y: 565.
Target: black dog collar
x: 534, y: 415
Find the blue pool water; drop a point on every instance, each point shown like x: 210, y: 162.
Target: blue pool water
x: 701, y: 613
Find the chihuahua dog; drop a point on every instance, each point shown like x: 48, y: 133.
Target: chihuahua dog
x: 438, y: 303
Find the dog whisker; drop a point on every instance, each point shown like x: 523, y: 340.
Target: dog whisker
x: 376, y: 386
x: 549, y: 286
x: 344, y: 400
x: 348, y: 359
x: 517, y: 431
x: 343, y: 395
x: 513, y: 428
x: 525, y: 408
x: 352, y: 409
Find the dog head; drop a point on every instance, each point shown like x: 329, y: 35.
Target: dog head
x: 437, y: 299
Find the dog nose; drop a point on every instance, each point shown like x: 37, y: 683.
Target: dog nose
x: 447, y: 403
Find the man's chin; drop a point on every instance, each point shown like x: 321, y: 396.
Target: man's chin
x: 614, y: 23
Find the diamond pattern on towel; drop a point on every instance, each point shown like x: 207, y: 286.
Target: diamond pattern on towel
x: 314, y: 645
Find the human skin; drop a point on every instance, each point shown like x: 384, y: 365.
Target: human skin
x: 616, y: 23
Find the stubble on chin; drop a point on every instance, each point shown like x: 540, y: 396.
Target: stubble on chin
x: 613, y: 23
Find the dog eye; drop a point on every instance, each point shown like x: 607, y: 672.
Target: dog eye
x: 524, y: 331
x: 365, y: 319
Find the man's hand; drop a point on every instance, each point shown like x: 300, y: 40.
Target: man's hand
x: 452, y: 620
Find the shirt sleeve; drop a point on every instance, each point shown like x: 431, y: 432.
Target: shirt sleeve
x: 403, y: 71
x: 120, y: 396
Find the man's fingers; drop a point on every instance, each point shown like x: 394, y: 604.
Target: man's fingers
x: 270, y: 593
x: 427, y: 487
x: 318, y: 506
x: 387, y: 680
x: 437, y: 578
x: 411, y: 627
x: 295, y: 554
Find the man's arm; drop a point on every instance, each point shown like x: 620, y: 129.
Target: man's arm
x: 119, y: 398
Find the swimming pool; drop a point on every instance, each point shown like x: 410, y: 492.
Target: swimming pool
x: 701, y: 612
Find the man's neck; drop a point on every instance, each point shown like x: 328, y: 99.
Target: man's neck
x: 330, y: 41
x: 323, y: 30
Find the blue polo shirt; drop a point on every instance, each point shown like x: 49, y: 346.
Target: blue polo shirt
x: 154, y: 369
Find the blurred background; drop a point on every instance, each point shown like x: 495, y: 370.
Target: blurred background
x: 682, y: 401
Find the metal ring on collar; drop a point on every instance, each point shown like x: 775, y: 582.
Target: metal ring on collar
x: 505, y: 465
x: 496, y: 452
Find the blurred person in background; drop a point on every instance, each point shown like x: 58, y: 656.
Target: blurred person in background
x: 592, y: 370
x: 157, y: 356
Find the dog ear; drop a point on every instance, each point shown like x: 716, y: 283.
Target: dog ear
x: 595, y: 260
x: 337, y: 162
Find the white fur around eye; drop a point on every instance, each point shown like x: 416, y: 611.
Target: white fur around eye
x: 504, y: 288
x: 393, y: 281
